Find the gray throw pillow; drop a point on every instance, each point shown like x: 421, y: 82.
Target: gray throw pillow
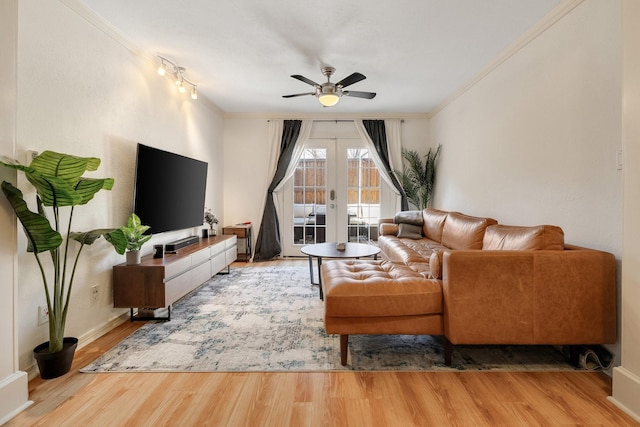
x: 409, y: 231
x: 408, y: 217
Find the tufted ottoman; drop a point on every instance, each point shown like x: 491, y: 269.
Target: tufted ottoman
x: 379, y: 297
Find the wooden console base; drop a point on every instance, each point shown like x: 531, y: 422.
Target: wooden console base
x: 159, y: 282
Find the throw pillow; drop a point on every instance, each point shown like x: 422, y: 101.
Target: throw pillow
x: 409, y: 231
x: 435, y: 265
x: 408, y: 217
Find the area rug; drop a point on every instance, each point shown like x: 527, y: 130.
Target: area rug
x: 267, y: 317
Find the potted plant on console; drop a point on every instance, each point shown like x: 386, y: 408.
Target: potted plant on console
x: 59, y: 183
x: 210, y: 219
x: 133, y: 237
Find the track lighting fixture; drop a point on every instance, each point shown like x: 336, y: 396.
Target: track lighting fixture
x: 162, y: 69
x: 177, y: 73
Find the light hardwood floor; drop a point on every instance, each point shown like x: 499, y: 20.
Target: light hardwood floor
x: 317, y: 399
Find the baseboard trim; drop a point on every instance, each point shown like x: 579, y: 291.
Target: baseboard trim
x: 626, y: 389
x: 96, y: 333
x: 14, y: 396
x: 87, y: 338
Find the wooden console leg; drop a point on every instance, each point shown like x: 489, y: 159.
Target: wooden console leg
x: 574, y: 355
x: 448, y: 351
x: 344, y: 347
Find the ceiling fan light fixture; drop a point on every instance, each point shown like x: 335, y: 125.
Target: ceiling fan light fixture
x: 329, y: 93
x: 328, y: 99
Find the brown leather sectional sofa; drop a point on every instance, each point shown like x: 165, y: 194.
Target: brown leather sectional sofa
x: 475, y: 282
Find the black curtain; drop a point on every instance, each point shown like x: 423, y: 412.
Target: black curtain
x: 378, y: 134
x: 268, y: 243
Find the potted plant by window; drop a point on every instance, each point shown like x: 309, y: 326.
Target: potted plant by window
x: 132, y: 236
x: 59, y: 183
x: 418, y: 178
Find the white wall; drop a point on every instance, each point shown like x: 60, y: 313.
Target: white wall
x: 535, y: 141
x: 246, y: 174
x: 14, y: 394
x: 84, y: 93
x: 626, y: 378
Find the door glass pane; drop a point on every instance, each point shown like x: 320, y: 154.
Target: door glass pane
x: 309, y: 197
x: 363, y: 196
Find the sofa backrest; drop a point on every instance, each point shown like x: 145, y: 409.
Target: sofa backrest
x: 432, y: 223
x: 518, y: 238
x: 464, y: 232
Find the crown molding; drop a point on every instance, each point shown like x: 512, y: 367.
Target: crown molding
x: 560, y: 11
x: 325, y: 116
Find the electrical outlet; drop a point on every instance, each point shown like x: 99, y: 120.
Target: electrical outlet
x: 43, y: 315
x: 31, y: 154
x: 95, y: 292
x: 619, y: 159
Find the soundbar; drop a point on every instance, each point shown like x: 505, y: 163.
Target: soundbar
x: 175, y: 245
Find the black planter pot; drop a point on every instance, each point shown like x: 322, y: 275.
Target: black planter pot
x: 54, y: 365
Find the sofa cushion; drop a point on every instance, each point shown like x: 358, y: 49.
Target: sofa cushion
x: 464, y: 232
x: 433, y: 222
x: 409, y: 231
x: 518, y: 238
x: 407, y: 251
x: 408, y: 217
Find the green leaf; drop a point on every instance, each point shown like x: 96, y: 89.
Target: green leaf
x: 89, y: 237
x: 40, y: 236
x: 58, y: 178
x: 88, y: 187
x: 118, y: 240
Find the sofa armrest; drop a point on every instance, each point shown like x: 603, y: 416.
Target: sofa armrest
x: 529, y: 297
x: 386, y: 227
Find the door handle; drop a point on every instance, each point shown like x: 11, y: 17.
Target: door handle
x: 332, y: 206
x: 332, y: 195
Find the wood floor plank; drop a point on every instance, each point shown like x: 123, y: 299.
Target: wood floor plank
x: 316, y: 398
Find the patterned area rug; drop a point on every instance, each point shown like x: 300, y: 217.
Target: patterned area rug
x: 267, y: 317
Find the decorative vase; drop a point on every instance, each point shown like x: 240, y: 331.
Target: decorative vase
x: 213, y: 231
x: 133, y: 257
x: 54, y: 365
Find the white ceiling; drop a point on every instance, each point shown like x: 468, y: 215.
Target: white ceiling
x: 415, y: 53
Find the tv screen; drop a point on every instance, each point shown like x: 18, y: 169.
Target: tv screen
x: 169, y: 190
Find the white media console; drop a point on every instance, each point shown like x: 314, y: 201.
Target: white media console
x: 160, y: 282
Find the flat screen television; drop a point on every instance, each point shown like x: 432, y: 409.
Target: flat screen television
x: 169, y: 190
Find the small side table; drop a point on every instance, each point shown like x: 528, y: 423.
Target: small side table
x: 243, y: 232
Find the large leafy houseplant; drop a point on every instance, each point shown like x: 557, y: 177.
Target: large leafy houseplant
x: 418, y: 178
x: 59, y: 183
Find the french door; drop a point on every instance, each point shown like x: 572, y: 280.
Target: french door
x: 334, y: 195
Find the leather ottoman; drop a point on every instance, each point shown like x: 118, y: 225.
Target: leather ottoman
x: 379, y: 297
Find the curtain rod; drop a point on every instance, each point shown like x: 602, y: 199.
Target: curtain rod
x: 341, y: 121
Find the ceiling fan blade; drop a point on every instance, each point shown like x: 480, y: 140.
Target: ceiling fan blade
x: 298, y: 94
x: 304, y: 79
x: 353, y: 78
x: 356, y: 94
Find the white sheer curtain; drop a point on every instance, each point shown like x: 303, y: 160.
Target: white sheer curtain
x: 274, y: 137
x: 394, y: 144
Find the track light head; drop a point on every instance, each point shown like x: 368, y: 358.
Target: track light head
x: 162, y: 69
x: 177, y: 73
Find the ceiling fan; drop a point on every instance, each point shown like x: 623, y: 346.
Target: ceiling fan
x: 329, y: 93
